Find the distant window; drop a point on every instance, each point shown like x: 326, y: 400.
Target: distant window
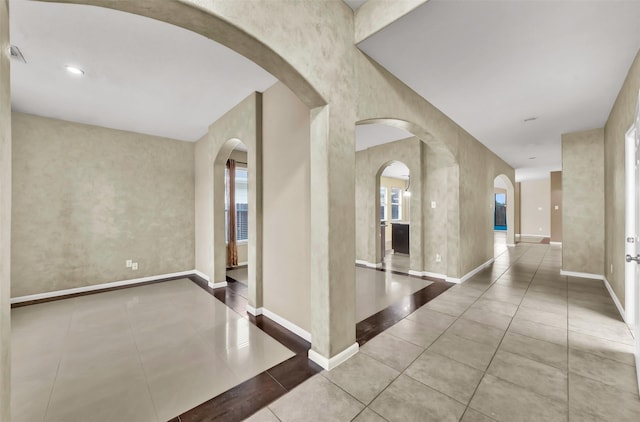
x: 396, y: 204
x: 383, y: 204
x: 242, y: 205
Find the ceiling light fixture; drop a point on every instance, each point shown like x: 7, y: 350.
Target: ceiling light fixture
x: 532, y: 158
x: 74, y: 70
x: 530, y: 119
x: 407, y: 192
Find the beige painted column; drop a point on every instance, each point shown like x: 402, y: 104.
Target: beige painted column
x: 5, y: 216
x: 332, y: 237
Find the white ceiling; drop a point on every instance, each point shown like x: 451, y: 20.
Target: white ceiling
x: 491, y: 64
x: 370, y: 135
x: 142, y: 75
x: 396, y: 170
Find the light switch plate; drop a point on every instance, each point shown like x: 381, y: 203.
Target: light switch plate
x: 129, y: 263
x: 433, y: 204
x: 134, y: 266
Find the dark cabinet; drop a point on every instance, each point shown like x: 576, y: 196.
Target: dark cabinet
x: 400, y: 237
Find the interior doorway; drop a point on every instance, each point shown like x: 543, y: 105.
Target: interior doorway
x: 236, y: 215
x: 502, y: 220
x: 395, y: 216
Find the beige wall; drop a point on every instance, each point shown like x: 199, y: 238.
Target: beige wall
x: 556, y: 201
x: 619, y: 121
x: 286, y: 218
x: 535, y: 197
x: 347, y: 89
x: 370, y: 164
x: 583, y: 201
x: 517, y: 210
x: 5, y: 217
x: 87, y: 198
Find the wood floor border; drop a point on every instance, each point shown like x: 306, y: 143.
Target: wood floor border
x: 250, y: 396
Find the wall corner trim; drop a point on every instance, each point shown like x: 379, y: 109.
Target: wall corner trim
x: 606, y: 284
x: 616, y: 301
x: 254, y: 311
x: 433, y: 275
x: 471, y: 273
x: 285, y: 323
x: 368, y: 264
x: 329, y: 364
x: 582, y: 275
x: 202, y: 275
x: 96, y: 287
x: 217, y: 285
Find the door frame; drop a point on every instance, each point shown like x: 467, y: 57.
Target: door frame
x: 632, y: 207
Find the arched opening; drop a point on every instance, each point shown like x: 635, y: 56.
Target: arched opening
x: 236, y: 180
x: 503, y: 216
x: 394, y: 216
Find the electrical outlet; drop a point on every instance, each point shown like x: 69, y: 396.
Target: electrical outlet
x: 433, y: 204
x: 134, y: 266
x: 438, y: 258
x: 129, y: 263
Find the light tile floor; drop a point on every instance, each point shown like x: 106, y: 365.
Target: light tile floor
x: 140, y: 354
x: 517, y: 342
x: 376, y: 290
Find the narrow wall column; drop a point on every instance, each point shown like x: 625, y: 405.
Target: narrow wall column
x: 556, y: 201
x: 332, y: 237
x: 5, y: 216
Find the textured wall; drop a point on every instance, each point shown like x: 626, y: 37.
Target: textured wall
x: 87, y: 198
x: 5, y: 216
x: 369, y: 165
x: 292, y: 40
x: 583, y: 201
x: 535, y: 208
x: 286, y: 213
x: 620, y: 120
x: 241, y: 124
x: 556, y: 201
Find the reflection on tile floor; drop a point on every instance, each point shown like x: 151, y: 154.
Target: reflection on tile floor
x: 145, y: 353
x: 241, y: 274
x: 376, y: 290
x: 396, y: 262
x: 517, y: 342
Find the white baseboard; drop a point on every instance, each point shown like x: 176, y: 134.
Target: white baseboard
x: 285, y: 323
x: 535, y: 235
x: 471, y: 273
x: 513, y: 245
x: 556, y: 243
x: 94, y: 287
x: 434, y: 275
x: 254, y: 311
x: 368, y: 264
x: 582, y: 275
x: 329, y: 364
x: 217, y: 285
x: 615, y: 300
x: 201, y: 275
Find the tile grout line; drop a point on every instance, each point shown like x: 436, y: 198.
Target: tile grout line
x: 55, y: 379
x: 144, y: 371
x: 505, y: 333
x: 436, y: 339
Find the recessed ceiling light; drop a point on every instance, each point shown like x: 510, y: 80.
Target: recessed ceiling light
x: 532, y: 158
x: 530, y: 119
x: 74, y: 70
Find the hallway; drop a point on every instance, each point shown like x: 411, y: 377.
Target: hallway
x: 516, y: 342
